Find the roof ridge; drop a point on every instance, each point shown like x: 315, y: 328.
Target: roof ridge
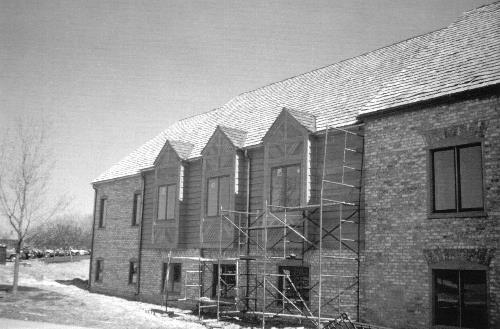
x: 468, y: 12
x: 338, y: 63
x: 306, y: 73
x: 399, y: 73
x: 195, y: 115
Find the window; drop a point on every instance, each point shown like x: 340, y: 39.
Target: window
x: 99, y: 266
x: 173, y: 282
x: 102, y: 212
x: 285, y: 186
x: 166, y: 202
x: 132, y: 272
x: 299, y: 276
x: 457, y: 179
x: 460, y: 298
x: 136, y: 209
x: 227, y: 278
x: 218, y: 194
x: 181, y: 182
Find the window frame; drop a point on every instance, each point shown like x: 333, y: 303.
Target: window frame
x: 283, y: 192
x: 133, y: 272
x: 281, y: 281
x: 218, y: 178
x: 458, y: 267
x: 454, y: 144
x: 99, y: 270
x: 103, y: 209
x: 136, y: 209
x: 171, y: 283
x: 167, y: 217
x: 230, y: 286
x: 166, y: 212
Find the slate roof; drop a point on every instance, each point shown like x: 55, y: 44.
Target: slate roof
x: 236, y: 136
x: 307, y: 120
x: 183, y: 149
x: 463, y: 56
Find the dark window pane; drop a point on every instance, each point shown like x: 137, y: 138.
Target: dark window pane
x: 444, y: 180
x: 446, y: 297
x: 227, y: 280
x: 224, y: 192
x: 212, y: 197
x: 177, y: 273
x: 293, y: 186
x: 474, y: 299
x: 171, y: 201
x: 102, y: 212
x: 299, y: 276
x: 164, y: 271
x: 138, y: 208
x: 98, y: 270
x: 471, y: 177
x: 174, y: 280
x: 132, y: 277
x: 277, y: 185
x: 162, y: 202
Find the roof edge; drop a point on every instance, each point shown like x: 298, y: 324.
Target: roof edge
x: 459, y: 95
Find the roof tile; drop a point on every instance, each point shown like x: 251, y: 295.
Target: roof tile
x: 463, y: 56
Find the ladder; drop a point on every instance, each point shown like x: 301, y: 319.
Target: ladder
x: 345, y: 253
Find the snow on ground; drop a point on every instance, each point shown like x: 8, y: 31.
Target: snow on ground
x: 53, y: 293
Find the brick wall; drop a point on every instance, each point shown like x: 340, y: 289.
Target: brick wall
x: 401, y: 240
x: 118, y: 242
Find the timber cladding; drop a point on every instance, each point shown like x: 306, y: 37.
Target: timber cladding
x: 401, y: 233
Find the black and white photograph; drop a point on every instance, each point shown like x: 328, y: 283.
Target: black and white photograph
x: 231, y: 164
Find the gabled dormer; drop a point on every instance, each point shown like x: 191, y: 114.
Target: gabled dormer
x: 169, y: 191
x: 287, y: 159
x: 220, y: 181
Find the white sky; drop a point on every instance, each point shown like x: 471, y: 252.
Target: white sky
x: 113, y: 74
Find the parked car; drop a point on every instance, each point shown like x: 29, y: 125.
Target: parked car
x: 27, y: 253
x: 11, y: 254
x: 38, y: 253
x: 49, y: 253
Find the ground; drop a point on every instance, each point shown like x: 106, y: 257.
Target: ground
x: 56, y: 293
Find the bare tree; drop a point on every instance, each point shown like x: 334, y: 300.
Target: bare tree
x: 25, y: 171
x: 68, y: 230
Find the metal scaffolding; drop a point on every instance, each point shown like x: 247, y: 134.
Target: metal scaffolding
x: 326, y: 233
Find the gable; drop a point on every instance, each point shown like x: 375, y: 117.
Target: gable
x: 285, y: 128
x: 218, y: 144
x: 167, y: 157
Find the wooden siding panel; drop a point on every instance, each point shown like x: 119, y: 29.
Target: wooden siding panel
x: 256, y: 178
x: 148, y: 211
x: 189, y: 226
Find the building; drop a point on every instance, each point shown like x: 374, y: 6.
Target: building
x: 370, y: 186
